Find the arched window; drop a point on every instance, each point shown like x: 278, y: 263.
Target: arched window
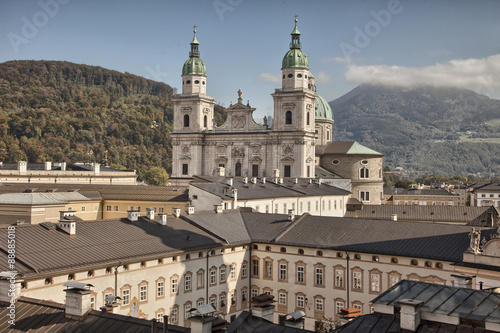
x: 186, y: 120
x: 307, y: 118
x: 205, y: 121
x: 288, y: 118
x: 364, y: 173
x: 237, y: 169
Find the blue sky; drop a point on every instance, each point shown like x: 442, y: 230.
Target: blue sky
x: 242, y: 42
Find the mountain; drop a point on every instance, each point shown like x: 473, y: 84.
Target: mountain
x: 61, y: 111
x: 446, y: 131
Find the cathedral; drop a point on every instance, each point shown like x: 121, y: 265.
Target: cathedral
x: 240, y: 147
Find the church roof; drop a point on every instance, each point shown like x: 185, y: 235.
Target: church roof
x: 347, y: 148
x: 323, y: 110
x: 194, y: 65
x: 295, y: 57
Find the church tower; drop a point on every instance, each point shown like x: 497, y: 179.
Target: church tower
x: 193, y: 116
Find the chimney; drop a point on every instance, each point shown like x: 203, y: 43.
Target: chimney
x: 291, y: 214
x: 245, y: 180
x: 410, y: 314
x: 165, y: 323
x: 201, y: 324
x: 394, y: 217
x: 68, y: 227
x: 96, y: 167
x: 463, y: 280
x: 235, y: 198
x: 320, y: 180
x: 310, y: 181
x: 254, y: 180
x: 163, y: 219
x: 63, y: 214
x: 48, y: 166
x: 295, y: 180
x: 150, y: 213
x: 133, y: 215
x: 10, y: 287
x: 63, y: 166
x: 110, y: 303
x: 281, y: 180
x: 276, y: 173
x: 263, y: 307
x: 22, y: 166
x: 264, y: 180
x: 230, y: 182
x: 221, y: 171
x: 177, y: 212
x: 77, y: 299
x: 218, y: 209
x: 190, y: 209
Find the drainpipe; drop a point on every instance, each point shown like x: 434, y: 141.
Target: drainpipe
x: 206, y: 276
x: 116, y: 279
x: 250, y: 271
x: 347, y: 277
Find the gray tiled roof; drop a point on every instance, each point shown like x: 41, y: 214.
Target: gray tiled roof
x: 450, y: 214
x: 345, y: 148
x: 40, y: 198
x: 219, y: 186
x: 45, y: 316
x: 246, y: 323
x: 491, y: 187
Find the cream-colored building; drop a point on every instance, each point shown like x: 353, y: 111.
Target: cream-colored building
x: 302, y: 123
x: 170, y: 264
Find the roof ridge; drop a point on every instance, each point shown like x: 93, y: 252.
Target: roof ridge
x: 287, y: 229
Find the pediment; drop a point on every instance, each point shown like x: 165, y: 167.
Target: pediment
x: 287, y: 159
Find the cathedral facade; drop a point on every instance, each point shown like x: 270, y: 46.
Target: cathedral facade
x: 241, y: 147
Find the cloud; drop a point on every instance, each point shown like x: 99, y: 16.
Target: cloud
x: 481, y: 75
x: 322, y: 77
x: 337, y: 60
x: 276, y: 78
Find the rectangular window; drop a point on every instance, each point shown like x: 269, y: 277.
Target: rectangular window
x: 288, y: 171
x: 358, y: 306
x: 200, y: 276
x: 309, y: 206
x: 243, y: 295
x: 255, y: 267
x: 173, y: 315
x: 213, y: 276
x: 282, y: 271
x: 276, y: 211
x: 159, y: 317
x: 175, y: 286
x: 255, y: 170
x: 255, y: 292
x: 233, y: 272
x: 308, y: 171
x: 200, y: 302
x: 159, y: 289
x: 213, y: 302
x: 268, y: 272
x: 393, y: 280
x: 187, y: 307
x: 319, y: 276
x: 319, y: 304
x: 185, y: 169
x: 267, y: 208
x: 339, y: 278
x: 244, y: 270
x: 300, y: 274
x: 300, y: 208
x: 285, y: 208
x: 375, y: 282
x: 356, y: 280
x: 222, y: 274
x: 282, y: 299
x: 187, y: 282
x: 108, y: 208
x: 222, y: 300
x: 115, y: 208
x: 233, y: 298
x: 339, y: 306
x: 83, y: 208
x: 143, y: 293
x: 300, y: 301
x: 126, y: 297
x: 364, y: 196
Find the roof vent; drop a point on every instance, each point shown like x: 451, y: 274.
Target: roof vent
x: 410, y: 314
x: 133, y: 215
x: 78, y: 296
x: 394, y: 217
x: 68, y: 227
x: 150, y: 213
x: 320, y: 180
x: 264, y: 180
x: 163, y: 219
x: 254, y: 180
x: 177, y: 212
x: 295, y: 180
x: 245, y: 180
x: 230, y: 182
x: 281, y: 180
x: 218, y: 209
x: 190, y: 209
x: 291, y: 214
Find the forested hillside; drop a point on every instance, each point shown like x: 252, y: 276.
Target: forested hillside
x: 61, y: 111
x: 446, y: 131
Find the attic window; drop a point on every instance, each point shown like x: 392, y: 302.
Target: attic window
x: 188, y: 81
x: 108, y: 270
x: 283, y: 249
x: 203, y: 82
x: 319, y: 253
x: 364, y: 162
x: 125, y: 267
x: 160, y: 261
x: 197, y: 82
x: 340, y: 254
x: 301, y: 251
x: 90, y: 273
x: 255, y: 247
x: 428, y: 264
x: 394, y: 260
x: 357, y: 256
x: 414, y: 262
x: 24, y: 285
x: 268, y: 248
x: 335, y: 162
x: 299, y: 75
x: 48, y: 281
x: 143, y: 264
x: 212, y: 253
x: 439, y: 265
x: 188, y: 256
x: 375, y: 258
x: 71, y: 277
x: 290, y: 75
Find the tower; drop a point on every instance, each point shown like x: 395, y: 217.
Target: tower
x: 193, y: 116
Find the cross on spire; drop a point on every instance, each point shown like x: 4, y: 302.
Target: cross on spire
x: 194, y: 28
x: 296, y: 15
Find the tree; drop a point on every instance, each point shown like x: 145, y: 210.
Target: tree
x: 156, y: 176
x: 402, y: 184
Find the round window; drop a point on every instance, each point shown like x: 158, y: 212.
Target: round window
x: 364, y: 162
x: 305, y: 76
x: 283, y: 75
x: 197, y: 82
x: 203, y: 82
x: 290, y: 75
x: 335, y: 162
x: 188, y: 81
x: 299, y: 75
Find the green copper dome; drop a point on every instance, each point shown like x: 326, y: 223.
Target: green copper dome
x: 295, y: 57
x: 323, y: 110
x: 194, y: 65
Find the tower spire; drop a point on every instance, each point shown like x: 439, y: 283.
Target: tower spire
x: 194, y: 53
x: 295, y: 44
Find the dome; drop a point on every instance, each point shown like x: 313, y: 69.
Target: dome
x: 323, y: 110
x: 194, y: 66
x: 295, y: 57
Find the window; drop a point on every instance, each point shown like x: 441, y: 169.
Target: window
x: 318, y: 276
x: 185, y: 169
x: 213, y: 276
x: 339, y: 305
x: 186, y: 120
x: 174, y: 285
x: 174, y: 314
x: 375, y: 282
x: 300, y: 274
x: 233, y: 298
x: 364, y: 196
x: 222, y: 300
x: 83, y: 208
x: 300, y: 301
x: 237, y: 169
x: 244, y: 295
x: 187, y: 282
x: 159, y: 317
x: 255, y: 170
x: 108, y: 208
x: 393, y: 279
x: 255, y: 292
x: 282, y: 299
x: 200, y: 279
x: 364, y: 173
x: 282, y: 275
x: 339, y: 278
x: 126, y: 297
x: 232, y: 274
x: 356, y: 280
x: 358, y: 306
x: 288, y: 171
x: 318, y: 306
x: 288, y: 118
x: 143, y: 293
x: 307, y: 119
x: 308, y: 171
x: 200, y: 302
x: 213, y: 301
x: 159, y: 289
x: 205, y: 121
x: 115, y: 208
x: 255, y: 267
x: 244, y: 270
x: 222, y: 274
x: 268, y: 269
x: 187, y: 307
x: 92, y: 302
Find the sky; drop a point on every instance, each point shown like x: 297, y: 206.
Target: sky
x: 242, y: 42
